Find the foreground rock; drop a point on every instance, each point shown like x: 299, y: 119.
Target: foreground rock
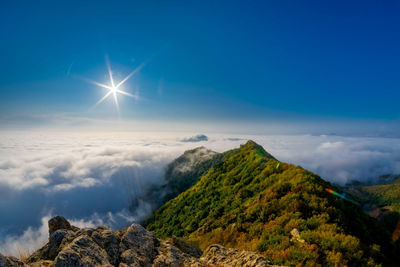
x: 10, y: 261
x: 216, y: 255
x: 133, y: 246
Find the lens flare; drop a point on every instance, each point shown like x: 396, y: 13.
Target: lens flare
x: 343, y: 196
x: 330, y: 191
x: 114, y: 90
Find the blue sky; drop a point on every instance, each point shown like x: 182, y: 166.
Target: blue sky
x: 207, y: 61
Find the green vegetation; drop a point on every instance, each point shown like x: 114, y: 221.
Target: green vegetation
x: 249, y: 201
x: 186, y: 170
x: 385, y: 195
x: 381, y: 200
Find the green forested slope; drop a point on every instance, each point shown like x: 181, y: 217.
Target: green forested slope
x: 381, y: 199
x: 249, y: 201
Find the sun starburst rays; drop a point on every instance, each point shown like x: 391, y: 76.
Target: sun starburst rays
x: 103, y: 98
x: 110, y: 72
x: 130, y: 75
x: 115, y: 89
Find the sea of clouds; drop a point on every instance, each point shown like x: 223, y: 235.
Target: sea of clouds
x: 92, y: 178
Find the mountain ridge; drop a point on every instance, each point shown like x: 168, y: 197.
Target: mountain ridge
x: 252, y: 201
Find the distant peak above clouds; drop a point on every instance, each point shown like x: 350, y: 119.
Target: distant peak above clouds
x: 196, y: 138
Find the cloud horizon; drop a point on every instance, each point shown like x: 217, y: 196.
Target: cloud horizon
x: 92, y: 178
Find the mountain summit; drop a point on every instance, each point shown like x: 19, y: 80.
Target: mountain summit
x: 253, y: 146
x: 249, y: 200
x: 187, y: 169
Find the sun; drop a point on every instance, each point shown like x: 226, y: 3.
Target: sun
x: 115, y: 89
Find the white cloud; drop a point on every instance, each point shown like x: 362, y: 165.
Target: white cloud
x: 30, y: 239
x: 337, y: 159
x: 91, y: 178
x: 197, y: 138
x: 33, y: 238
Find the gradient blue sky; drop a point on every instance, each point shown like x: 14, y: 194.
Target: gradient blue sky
x: 315, y: 62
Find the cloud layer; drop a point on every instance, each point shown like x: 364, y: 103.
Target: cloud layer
x: 92, y: 178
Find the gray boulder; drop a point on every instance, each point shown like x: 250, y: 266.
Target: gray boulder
x: 82, y: 251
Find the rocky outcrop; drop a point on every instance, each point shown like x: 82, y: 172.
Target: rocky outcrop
x: 216, y: 255
x: 296, y: 236
x: 186, y: 247
x: 10, y: 261
x: 133, y: 246
x: 60, y: 222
